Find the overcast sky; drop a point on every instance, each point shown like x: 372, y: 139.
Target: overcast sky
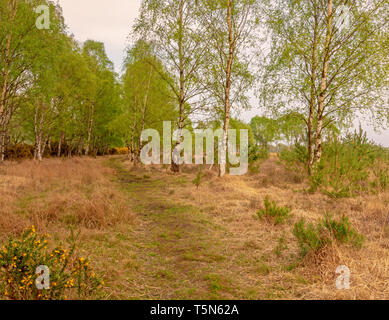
x: 110, y: 21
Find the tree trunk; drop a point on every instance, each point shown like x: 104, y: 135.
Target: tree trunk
x: 128, y: 150
x: 44, y: 144
x: 7, y: 64
x: 144, y: 110
x: 175, y: 167
x: 2, y: 146
x: 61, y: 140
x: 223, y: 160
x: 90, y: 126
x: 323, y: 87
x: 49, y: 144
x: 311, y: 151
x: 4, y: 89
x: 80, y: 146
x: 38, y: 129
x: 133, y: 130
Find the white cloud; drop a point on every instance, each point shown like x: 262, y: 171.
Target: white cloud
x: 108, y: 21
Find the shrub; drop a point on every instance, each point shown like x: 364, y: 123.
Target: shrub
x: 19, y: 151
x: 282, y: 245
x: 351, y: 167
x: 309, y: 237
x: 296, y: 155
x: 258, y: 153
x: 121, y: 151
x: 312, y: 238
x: 70, y: 276
x: 197, y: 181
x: 278, y: 214
x: 342, y: 230
x: 295, y: 160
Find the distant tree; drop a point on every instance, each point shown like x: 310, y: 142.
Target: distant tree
x: 147, y: 98
x: 265, y: 130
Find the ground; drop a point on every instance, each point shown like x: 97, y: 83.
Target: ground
x: 154, y: 235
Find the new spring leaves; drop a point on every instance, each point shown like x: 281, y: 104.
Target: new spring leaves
x: 237, y: 147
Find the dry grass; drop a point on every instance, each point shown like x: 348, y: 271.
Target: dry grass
x: 155, y: 236
x: 249, y: 244
x: 56, y: 193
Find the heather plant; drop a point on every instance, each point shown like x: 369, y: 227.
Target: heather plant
x: 69, y: 276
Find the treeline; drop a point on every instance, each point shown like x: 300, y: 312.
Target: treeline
x: 314, y: 66
x: 55, y: 94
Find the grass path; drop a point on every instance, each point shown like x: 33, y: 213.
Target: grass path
x: 173, y: 249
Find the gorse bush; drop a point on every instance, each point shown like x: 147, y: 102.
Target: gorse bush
x: 312, y: 238
x: 277, y: 214
x: 69, y: 276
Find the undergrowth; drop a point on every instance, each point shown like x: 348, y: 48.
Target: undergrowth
x: 32, y: 271
x: 313, y: 237
x: 272, y: 211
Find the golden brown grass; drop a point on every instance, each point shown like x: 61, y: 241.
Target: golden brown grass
x: 59, y: 193
x: 155, y: 236
x: 249, y: 244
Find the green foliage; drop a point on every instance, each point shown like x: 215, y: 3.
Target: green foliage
x: 197, y: 181
x: 281, y: 246
x: 355, y: 74
x: 295, y: 156
x: 342, y: 230
x: 295, y: 160
x: 257, y: 153
x: 312, y: 238
x: 277, y: 214
x: 146, y: 97
x: 351, y: 166
x: 309, y: 237
x: 265, y: 130
x: 70, y: 276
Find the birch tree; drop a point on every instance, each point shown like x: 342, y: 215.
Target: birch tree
x: 18, y: 36
x: 174, y: 30
x: 147, y: 98
x: 328, y: 63
x: 229, y: 40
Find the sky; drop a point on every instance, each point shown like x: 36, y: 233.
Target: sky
x: 110, y: 21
